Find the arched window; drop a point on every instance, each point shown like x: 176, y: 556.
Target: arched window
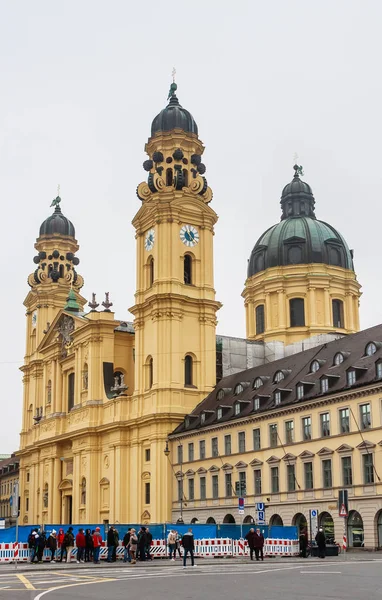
x: 276, y: 521
x: 278, y: 376
x: 188, y: 367
x: 151, y: 270
x: 220, y: 395
x: 257, y: 383
x: 83, y: 491
x: 71, y: 380
x: 297, y: 312
x: 61, y: 271
x: 169, y: 177
x: 49, y: 392
x: 355, y: 529
x: 238, y: 389
x: 187, y: 265
x: 338, y: 313
x: 185, y: 178
x: 149, y: 372
x: 85, y: 377
x: 260, y: 319
x: 211, y: 521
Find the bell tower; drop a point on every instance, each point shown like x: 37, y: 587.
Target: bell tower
x: 175, y: 307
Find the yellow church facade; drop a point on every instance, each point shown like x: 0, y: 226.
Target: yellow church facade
x: 102, y: 396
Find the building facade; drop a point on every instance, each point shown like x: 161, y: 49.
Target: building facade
x: 9, y: 476
x: 291, y: 434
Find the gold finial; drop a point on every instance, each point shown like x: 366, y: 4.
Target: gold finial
x: 173, y: 74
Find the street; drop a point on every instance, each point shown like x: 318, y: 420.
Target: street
x: 341, y: 578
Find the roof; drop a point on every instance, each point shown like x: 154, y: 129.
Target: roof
x: 174, y: 116
x: 57, y: 224
x: 295, y: 369
x: 9, y: 464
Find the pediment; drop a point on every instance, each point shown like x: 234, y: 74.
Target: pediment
x: 295, y: 238
x: 227, y: 467
x: 189, y: 473
x: 289, y: 457
x: 179, y: 474
x: 273, y: 459
x: 306, y: 454
x: 66, y: 484
x: 214, y: 469
x: 344, y: 448
x: 241, y: 465
x: 201, y: 471
x: 256, y: 462
x: 365, y: 445
x: 325, y: 451
x: 62, y: 321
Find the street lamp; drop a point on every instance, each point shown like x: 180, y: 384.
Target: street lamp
x: 180, y: 488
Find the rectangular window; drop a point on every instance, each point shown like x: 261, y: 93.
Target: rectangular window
x: 275, y: 480
x: 260, y: 320
x: 228, y: 485
x: 289, y: 432
x: 28, y: 476
x: 324, y: 383
x: 378, y: 370
x: 347, y: 471
x: 257, y: 476
x: 227, y: 445
x: 365, y: 415
x: 202, y: 488
x: 147, y: 493
x: 344, y: 420
x: 214, y: 447
x: 215, y: 486
x: 180, y: 454
x: 191, y: 452
x: 237, y: 408
x: 191, y: 489
x: 338, y: 313
x: 297, y: 312
x: 277, y: 398
x: 202, y: 449
x: 256, y: 403
x: 147, y: 455
x: 306, y: 428
x: 241, y: 440
x: 327, y: 473
x: 291, y: 478
x: 243, y: 483
x: 308, y: 473
x: 325, y: 424
x: 368, y: 468
x: 300, y: 391
x: 256, y: 439
x: 71, y: 380
x: 273, y: 437
x: 351, y: 377
x: 26, y: 504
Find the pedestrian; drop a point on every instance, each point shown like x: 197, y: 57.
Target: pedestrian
x: 69, y: 543
x: 259, y: 544
x: 141, y: 555
x: 303, y: 539
x: 116, y: 544
x: 110, y: 544
x: 41, y: 543
x: 51, y: 544
x: 81, y: 545
x: 88, y: 546
x: 188, y: 547
x: 125, y: 544
x: 250, y: 537
x: 60, y: 543
x: 171, y: 542
x: 32, y: 545
x: 133, y: 544
x: 178, y: 541
x: 97, y: 543
x: 149, y: 539
x: 321, y: 543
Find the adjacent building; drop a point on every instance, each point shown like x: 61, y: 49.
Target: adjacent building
x: 9, y: 475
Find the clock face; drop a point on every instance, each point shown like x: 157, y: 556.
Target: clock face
x: 189, y: 235
x: 149, y: 240
x: 34, y: 319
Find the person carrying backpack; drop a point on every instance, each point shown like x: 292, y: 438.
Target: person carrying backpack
x: 67, y: 545
x: 41, y: 543
x: 51, y: 544
x: 97, y: 543
x: 32, y: 545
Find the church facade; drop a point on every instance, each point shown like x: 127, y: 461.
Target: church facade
x: 103, y: 396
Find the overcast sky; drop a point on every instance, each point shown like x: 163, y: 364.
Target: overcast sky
x: 81, y: 82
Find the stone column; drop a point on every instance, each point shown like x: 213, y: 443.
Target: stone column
x: 327, y: 308
x: 281, y: 303
x: 349, y: 311
x: 56, y: 493
x: 268, y: 316
x: 312, y: 305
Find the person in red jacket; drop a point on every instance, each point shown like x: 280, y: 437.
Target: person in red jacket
x: 81, y: 544
x: 97, y: 543
x: 60, y: 539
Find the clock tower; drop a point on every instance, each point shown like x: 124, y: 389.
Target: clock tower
x: 175, y: 307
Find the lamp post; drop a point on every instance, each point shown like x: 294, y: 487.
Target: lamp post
x: 180, y: 488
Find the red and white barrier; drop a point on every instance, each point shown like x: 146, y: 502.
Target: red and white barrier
x: 213, y: 547
x: 272, y: 547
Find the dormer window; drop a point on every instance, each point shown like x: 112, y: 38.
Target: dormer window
x: 219, y: 413
x: 378, y: 369
x: 203, y: 418
x: 338, y: 358
x: 220, y: 395
x: 300, y: 391
x: 351, y: 377
x: 277, y: 397
x: 257, y: 383
x: 237, y: 408
x: 238, y: 389
x: 279, y: 376
x: 187, y: 421
x: 324, y: 384
x: 256, y: 403
x: 314, y: 367
x: 371, y: 349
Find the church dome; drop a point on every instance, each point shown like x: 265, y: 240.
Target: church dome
x: 174, y: 116
x: 299, y: 238
x: 57, y: 223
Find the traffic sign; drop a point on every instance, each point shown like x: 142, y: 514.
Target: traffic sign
x: 259, y: 505
x: 343, y: 512
x: 241, y: 511
x: 261, y: 517
x: 313, y: 520
x: 343, y: 500
x: 241, y: 503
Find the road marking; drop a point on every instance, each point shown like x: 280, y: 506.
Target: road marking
x: 73, y: 575
x: 26, y: 582
x: 64, y: 587
x: 320, y: 572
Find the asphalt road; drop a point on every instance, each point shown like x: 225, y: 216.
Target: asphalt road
x: 295, y: 579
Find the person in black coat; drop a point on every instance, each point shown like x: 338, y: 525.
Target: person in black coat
x: 259, y: 544
x: 250, y: 537
x: 149, y: 539
x: 188, y: 546
x: 321, y: 543
x: 142, y: 543
x: 303, y: 539
x: 88, y: 546
x: 110, y: 544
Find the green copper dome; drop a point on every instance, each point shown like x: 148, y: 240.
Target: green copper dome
x: 174, y: 116
x: 299, y: 238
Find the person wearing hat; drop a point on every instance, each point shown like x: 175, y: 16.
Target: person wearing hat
x: 97, y: 543
x: 133, y: 544
x: 51, y: 544
x: 321, y: 543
